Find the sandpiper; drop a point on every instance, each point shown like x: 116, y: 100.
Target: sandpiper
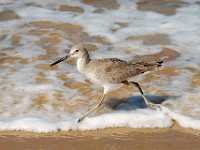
x: 108, y: 72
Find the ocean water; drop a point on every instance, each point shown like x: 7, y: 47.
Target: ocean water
x: 35, y: 97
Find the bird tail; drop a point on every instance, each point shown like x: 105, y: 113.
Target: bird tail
x: 159, y: 63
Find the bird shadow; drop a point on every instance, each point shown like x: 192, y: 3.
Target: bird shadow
x: 136, y: 102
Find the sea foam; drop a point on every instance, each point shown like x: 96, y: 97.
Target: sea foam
x: 135, y: 119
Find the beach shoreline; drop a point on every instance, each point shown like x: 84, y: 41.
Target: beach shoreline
x: 173, y: 138
x: 36, y: 97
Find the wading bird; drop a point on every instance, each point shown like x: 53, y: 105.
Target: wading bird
x: 108, y: 72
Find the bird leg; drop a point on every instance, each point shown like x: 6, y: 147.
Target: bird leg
x: 147, y: 102
x: 93, y: 109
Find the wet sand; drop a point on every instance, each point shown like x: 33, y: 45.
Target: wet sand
x: 174, y: 138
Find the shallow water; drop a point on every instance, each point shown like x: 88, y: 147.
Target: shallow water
x: 38, y: 98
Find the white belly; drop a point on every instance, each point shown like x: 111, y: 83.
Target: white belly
x: 93, y: 79
x: 107, y: 86
x: 110, y: 87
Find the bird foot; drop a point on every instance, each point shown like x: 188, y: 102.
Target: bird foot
x: 80, y: 119
x: 154, y: 106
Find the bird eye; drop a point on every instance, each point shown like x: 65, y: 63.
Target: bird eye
x: 77, y: 50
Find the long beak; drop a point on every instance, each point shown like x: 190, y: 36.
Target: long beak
x: 59, y: 60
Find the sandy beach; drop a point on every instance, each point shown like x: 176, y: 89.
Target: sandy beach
x: 35, y: 98
x: 174, y: 138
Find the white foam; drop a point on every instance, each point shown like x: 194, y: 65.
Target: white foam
x: 6, y: 1
x: 134, y: 119
x: 143, y: 118
x: 42, y: 13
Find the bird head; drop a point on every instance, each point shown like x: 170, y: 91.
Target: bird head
x: 77, y: 51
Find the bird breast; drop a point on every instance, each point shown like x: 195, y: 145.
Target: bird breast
x: 80, y: 65
x: 90, y: 74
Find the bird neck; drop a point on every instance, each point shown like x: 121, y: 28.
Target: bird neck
x: 83, y: 61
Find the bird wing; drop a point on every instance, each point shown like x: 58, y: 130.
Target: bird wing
x: 114, y: 70
x: 111, y: 70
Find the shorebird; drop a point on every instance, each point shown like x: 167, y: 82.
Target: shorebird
x: 108, y: 72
